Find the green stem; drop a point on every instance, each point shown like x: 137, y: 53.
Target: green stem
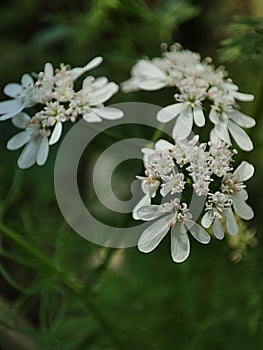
x: 70, y: 284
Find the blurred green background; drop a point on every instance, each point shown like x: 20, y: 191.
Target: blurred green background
x: 59, y: 291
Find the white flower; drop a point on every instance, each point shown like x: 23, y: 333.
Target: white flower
x: 229, y: 120
x: 178, y: 219
x: 233, y: 185
x: 173, y: 183
x: 35, y: 141
x: 23, y: 95
x: 186, y: 113
x: 146, y: 75
x: 196, y: 82
x: 218, y: 206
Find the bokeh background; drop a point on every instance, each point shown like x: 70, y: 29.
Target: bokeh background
x: 59, y: 291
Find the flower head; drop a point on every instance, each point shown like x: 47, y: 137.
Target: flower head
x: 53, y: 91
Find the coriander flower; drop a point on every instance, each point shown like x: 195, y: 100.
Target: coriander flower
x: 173, y: 173
x: 201, y: 92
x: 234, y: 187
x: 146, y: 75
x: 175, y: 216
x: 56, y: 102
x: 33, y: 138
x: 218, y: 205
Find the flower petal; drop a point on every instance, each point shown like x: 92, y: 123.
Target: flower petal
x: 245, y: 171
x: 162, y: 145
x: 183, y: 125
x: 153, y: 234
x: 242, y: 96
x: 101, y: 95
x: 27, y: 80
x: 42, y: 153
x: 199, y: 117
x: 28, y: 156
x: 180, y: 244
x: 55, y: 136
x: 198, y: 232
x: 240, y: 206
x: 231, y: 223
x: 95, y: 62
x: 48, y: 70
x: 10, y: 108
x: 242, y: 119
x: 240, y: 136
x: 149, y: 212
x: 213, y: 116
x: 109, y: 113
x: 149, y: 70
x: 207, y: 220
x: 13, y: 89
x: 170, y: 112
x: 218, y: 229
x: 18, y: 140
x: 92, y: 117
x: 146, y: 200
x: 20, y: 120
x: 152, y: 84
x: 222, y: 131
x: 78, y: 71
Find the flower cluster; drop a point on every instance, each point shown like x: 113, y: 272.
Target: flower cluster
x: 44, y: 101
x: 201, y: 92
x: 176, y: 172
x: 172, y: 172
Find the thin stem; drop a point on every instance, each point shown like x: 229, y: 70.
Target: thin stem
x: 70, y: 284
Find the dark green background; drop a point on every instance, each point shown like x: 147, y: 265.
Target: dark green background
x: 59, y: 291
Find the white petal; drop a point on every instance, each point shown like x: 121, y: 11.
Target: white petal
x: 18, y: 140
x: 27, y: 80
x: 199, y: 117
x: 48, y: 70
x: 180, y: 244
x: 92, y: 118
x: 242, y: 119
x: 20, y: 120
x: 13, y: 89
x: 95, y: 62
x: 151, y: 85
x: 245, y: 171
x: 99, y: 82
x: 149, y: 212
x: 198, y: 232
x: 146, y: 200
x: 239, y: 135
x: 218, y: 229
x: 222, y: 131
x: 207, y: 220
x: 153, y: 235
x: 231, y: 223
x: 109, y: 113
x: 170, y: 112
x: 213, y: 116
x: 42, y: 153
x: 162, y: 145
x: 55, y: 136
x: 183, y: 125
x: 29, y: 153
x: 241, y: 208
x: 101, y: 95
x: 130, y: 85
x: 243, y: 97
x: 10, y: 108
x: 149, y: 69
x: 78, y: 71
